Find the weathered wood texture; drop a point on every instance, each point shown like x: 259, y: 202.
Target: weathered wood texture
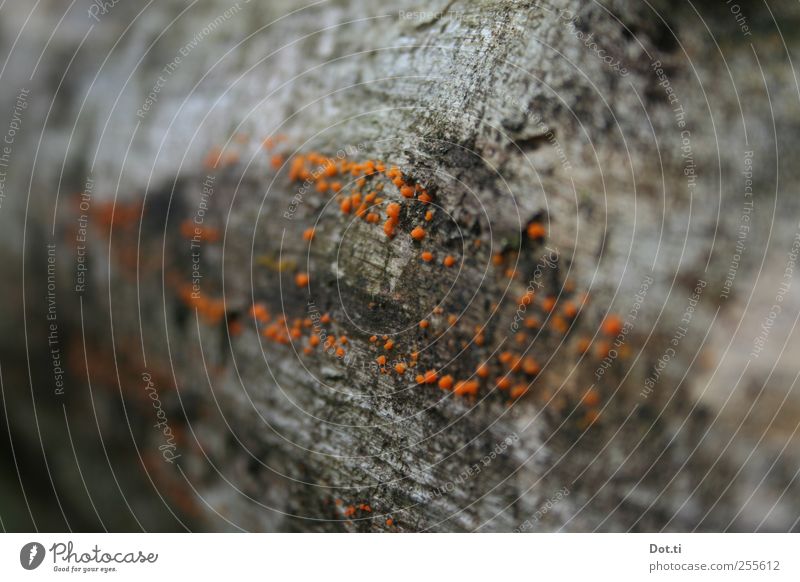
x: 507, y: 113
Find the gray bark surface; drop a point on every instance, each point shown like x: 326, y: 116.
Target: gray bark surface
x: 507, y: 116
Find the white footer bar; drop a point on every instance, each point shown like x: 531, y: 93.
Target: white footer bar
x: 401, y: 557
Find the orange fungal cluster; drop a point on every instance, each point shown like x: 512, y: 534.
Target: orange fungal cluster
x: 374, y: 193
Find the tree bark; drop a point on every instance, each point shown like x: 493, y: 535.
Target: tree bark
x: 622, y: 129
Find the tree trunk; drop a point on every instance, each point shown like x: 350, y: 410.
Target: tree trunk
x: 596, y: 155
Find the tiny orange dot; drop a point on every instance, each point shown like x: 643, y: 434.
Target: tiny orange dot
x: 503, y: 383
x: 418, y: 233
x: 592, y: 398
x: 529, y: 366
x: 612, y: 325
x: 559, y: 324
x: 466, y: 387
x: 449, y: 261
x: 531, y: 322
x: 427, y: 256
x: 518, y: 390
x: 602, y: 349
x: 528, y: 298
x: 536, y: 231
x: 505, y: 357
